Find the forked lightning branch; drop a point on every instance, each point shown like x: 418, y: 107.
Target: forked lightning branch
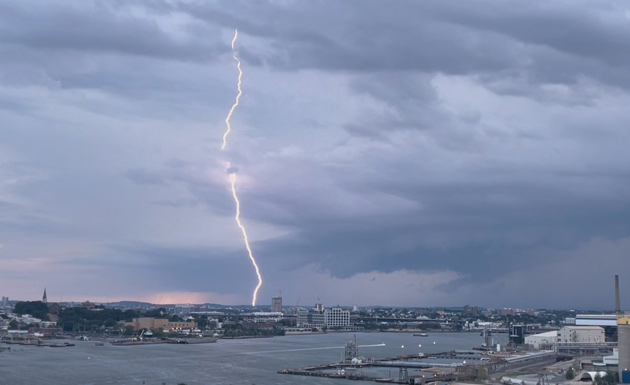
x: 233, y: 173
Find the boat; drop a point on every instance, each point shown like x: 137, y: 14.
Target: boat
x: 63, y: 345
x: 420, y: 334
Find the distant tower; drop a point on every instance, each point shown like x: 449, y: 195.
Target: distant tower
x: 276, y: 304
x: 617, y: 302
x: 44, y: 298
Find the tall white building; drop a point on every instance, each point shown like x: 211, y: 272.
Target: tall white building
x: 336, y: 317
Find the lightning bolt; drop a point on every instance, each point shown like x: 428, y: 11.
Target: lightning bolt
x: 245, y: 238
x: 238, y: 95
x: 233, y: 175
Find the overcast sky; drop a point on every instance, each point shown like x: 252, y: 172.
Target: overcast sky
x: 412, y: 153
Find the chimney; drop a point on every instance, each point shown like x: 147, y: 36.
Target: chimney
x: 617, y: 304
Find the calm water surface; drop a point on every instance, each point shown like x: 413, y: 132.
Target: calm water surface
x: 249, y: 361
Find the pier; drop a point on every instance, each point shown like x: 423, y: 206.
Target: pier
x: 353, y: 370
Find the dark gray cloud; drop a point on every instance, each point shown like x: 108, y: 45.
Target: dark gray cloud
x: 129, y: 29
x: 450, y: 151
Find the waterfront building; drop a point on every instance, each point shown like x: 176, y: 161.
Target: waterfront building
x: 305, y: 318
x: 46, y: 330
x: 336, y: 317
x: 276, y: 304
x: 301, y: 317
x: 596, y: 320
x: 581, y: 334
x: 264, y: 317
x: 316, y: 319
x: 159, y: 323
x: 517, y: 334
x: 542, y: 341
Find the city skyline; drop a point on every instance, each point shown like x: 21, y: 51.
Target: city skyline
x: 406, y: 153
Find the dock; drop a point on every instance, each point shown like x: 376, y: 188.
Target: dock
x: 354, y: 370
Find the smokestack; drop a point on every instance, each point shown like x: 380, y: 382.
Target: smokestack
x: 617, y: 304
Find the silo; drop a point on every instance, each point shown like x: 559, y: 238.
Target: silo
x: 623, y: 344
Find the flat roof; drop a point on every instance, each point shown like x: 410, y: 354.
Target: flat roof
x: 546, y: 334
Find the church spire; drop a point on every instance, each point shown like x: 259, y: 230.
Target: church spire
x: 44, y: 298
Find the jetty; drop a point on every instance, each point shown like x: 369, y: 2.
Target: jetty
x: 152, y: 341
x: 354, y: 367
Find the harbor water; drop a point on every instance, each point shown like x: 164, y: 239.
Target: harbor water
x: 244, y: 361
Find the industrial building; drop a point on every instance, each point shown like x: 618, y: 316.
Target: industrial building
x: 542, y: 341
x: 623, y: 343
x: 159, y: 323
x: 603, y: 320
x: 581, y: 334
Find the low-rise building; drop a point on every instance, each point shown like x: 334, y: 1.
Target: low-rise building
x: 159, y: 323
x: 581, y: 334
x: 542, y: 341
x: 28, y: 319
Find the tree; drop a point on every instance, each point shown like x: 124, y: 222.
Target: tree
x: 610, y: 378
x: 202, y: 322
x: 570, y: 374
x: 156, y: 313
x: 37, y: 309
x: 130, y: 315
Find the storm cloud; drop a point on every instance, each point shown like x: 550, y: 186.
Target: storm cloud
x: 404, y: 153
